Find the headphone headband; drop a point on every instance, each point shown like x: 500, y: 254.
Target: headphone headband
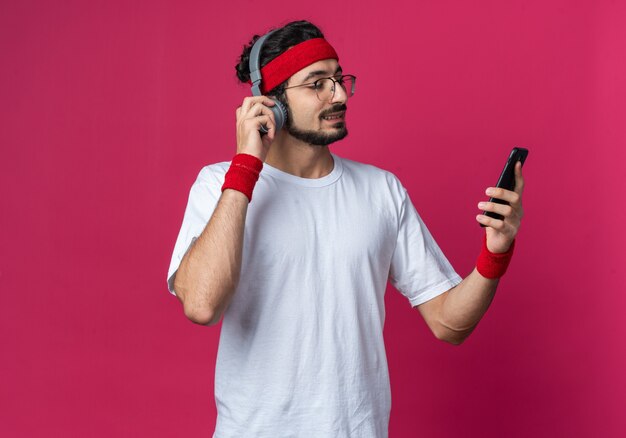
x: 279, y: 110
x: 255, y: 64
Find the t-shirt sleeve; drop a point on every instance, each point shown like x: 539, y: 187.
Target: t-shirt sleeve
x: 419, y: 270
x: 203, y: 198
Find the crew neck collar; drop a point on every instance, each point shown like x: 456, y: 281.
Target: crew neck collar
x: 307, y: 182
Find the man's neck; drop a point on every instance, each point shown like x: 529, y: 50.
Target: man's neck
x: 298, y: 158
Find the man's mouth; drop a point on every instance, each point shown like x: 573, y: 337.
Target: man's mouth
x: 335, y: 116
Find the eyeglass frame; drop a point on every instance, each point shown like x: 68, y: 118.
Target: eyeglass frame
x: 335, y: 81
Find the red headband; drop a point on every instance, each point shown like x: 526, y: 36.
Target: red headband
x: 285, y: 65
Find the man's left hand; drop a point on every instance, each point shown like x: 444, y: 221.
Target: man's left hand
x: 501, y: 232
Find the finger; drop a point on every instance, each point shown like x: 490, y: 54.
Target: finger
x: 261, y: 120
x: 247, y: 104
x: 249, y: 101
x: 509, y: 196
x: 501, y: 209
x: 269, y: 137
x: 491, y: 222
x: 519, y: 179
x: 266, y: 114
x: 257, y: 109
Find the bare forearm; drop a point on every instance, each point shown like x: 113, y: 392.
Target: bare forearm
x: 209, y: 273
x: 466, y: 303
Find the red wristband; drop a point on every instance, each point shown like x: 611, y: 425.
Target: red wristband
x: 492, y: 265
x: 243, y: 174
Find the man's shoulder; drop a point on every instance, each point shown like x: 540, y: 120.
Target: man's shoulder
x: 369, y: 171
x: 220, y: 167
x: 214, y: 171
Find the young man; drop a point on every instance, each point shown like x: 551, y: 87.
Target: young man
x: 299, y: 275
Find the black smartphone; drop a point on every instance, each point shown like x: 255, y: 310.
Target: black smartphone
x: 507, y: 177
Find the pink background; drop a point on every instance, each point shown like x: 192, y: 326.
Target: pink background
x: 110, y: 108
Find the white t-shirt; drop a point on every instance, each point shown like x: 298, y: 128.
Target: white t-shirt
x: 301, y: 352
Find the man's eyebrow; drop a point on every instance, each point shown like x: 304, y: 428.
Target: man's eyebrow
x: 315, y: 73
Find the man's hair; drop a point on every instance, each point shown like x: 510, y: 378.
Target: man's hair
x: 278, y: 42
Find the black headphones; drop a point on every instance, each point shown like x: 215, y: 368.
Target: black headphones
x: 279, y: 110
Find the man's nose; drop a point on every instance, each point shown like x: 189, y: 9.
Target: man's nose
x: 340, y: 95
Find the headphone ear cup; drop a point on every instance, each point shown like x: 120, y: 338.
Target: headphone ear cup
x: 280, y: 114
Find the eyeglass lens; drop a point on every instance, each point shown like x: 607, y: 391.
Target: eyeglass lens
x: 326, y: 87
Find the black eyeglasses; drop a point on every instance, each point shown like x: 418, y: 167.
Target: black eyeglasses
x: 325, y: 87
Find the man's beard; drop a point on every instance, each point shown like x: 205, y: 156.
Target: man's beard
x: 317, y: 138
